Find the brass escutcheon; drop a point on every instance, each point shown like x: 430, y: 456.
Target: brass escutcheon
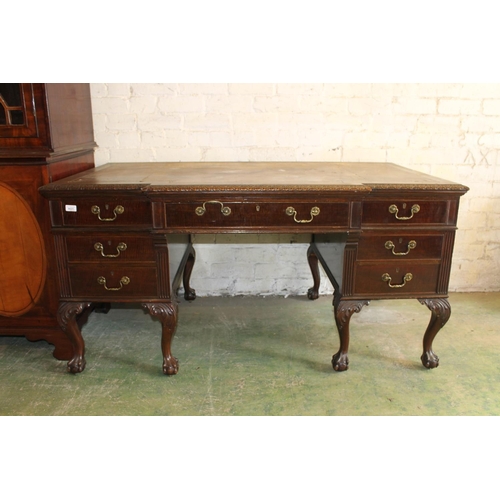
x: 125, y: 280
x: 407, y: 277
x: 118, y: 210
x: 99, y: 247
x: 224, y: 210
x: 393, y: 209
x: 390, y: 246
x: 291, y: 211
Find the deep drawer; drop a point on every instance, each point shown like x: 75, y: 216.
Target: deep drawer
x: 399, y: 246
x: 105, y: 247
x: 113, y: 282
x: 389, y: 278
x: 287, y: 215
x: 107, y: 212
x: 404, y: 212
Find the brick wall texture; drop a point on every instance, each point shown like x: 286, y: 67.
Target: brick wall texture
x: 447, y: 130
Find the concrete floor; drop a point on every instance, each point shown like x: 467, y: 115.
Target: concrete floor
x: 266, y: 356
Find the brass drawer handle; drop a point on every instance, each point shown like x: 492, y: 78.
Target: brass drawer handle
x: 99, y: 247
x: 393, y: 209
x: 291, y: 211
x: 224, y: 210
x: 118, y: 210
x: 407, y: 277
x: 390, y: 246
x: 125, y: 280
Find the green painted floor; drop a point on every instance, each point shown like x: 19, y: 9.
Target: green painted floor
x: 266, y: 356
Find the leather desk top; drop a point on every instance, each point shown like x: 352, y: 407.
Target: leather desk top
x: 253, y: 176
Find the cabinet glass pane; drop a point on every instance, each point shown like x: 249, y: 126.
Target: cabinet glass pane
x: 11, y: 104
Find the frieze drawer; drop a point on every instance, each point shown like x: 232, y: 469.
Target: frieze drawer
x: 113, y: 282
x: 105, y: 247
x: 391, y: 212
x: 410, y: 278
x: 398, y: 246
x: 287, y: 215
x: 105, y: 212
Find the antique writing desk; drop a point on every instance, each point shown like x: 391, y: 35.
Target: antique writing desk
x: 380, y: 231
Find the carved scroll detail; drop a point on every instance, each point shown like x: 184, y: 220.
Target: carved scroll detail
x: 346, y: 309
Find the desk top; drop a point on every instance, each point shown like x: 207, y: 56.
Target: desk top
x: 252, y: 176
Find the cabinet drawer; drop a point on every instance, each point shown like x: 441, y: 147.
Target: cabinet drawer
x: 105, y: 247
x: 113, y: 282
x: 398, y: 246
x: 404, y: 212
x: 389, y: 278
x: 288, y: 215
x: 107, y: 212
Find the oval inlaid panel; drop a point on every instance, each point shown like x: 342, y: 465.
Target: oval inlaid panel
x: 22, y: 255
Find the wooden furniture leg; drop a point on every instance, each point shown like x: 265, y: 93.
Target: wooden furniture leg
x: 343, y: 311
x: 189, y: 293
x: 167, y: 314
x: 67, y: 318
x: 312, y: 259
x: 440, y: 314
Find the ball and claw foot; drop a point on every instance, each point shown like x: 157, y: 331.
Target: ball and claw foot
x: 189, y: 294
x: 340, y: 362
x: 429, y: 359
x: 170, y: 365
x: 312, y: 294
x: 77, y: 364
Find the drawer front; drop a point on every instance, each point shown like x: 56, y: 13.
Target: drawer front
x: 113, y: 282
x: 105, y: 247
x: 106, y: 212
x: 399, y: 246
x: 389, y: 278
x: 404, y: 212
x: 290, y: 215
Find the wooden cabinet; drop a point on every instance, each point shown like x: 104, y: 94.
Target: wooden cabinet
x: 46, y: 134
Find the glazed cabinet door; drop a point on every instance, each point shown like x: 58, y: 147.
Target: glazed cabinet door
x: 17, y: 114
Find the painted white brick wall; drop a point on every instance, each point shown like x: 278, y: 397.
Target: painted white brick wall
x: 447, y: 130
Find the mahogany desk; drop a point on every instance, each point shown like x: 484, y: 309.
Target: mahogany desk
x: 380, y: 231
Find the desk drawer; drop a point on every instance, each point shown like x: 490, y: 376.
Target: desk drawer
x: 392, y: 211
x: 400, y: 246
x: 219, y: 215
x: 107, y: 212
x: 390, y: 278
x: 113, y: 282
x: 105, y: 247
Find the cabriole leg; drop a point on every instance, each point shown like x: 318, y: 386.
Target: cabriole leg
x: 440, y: 314
x: 66, y: 316
x: 344, y: 309
x: 313, y: 292
x: 189, y: 293
x: 167, y: 314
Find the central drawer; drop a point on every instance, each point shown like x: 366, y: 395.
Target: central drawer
x: 291, y: 215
